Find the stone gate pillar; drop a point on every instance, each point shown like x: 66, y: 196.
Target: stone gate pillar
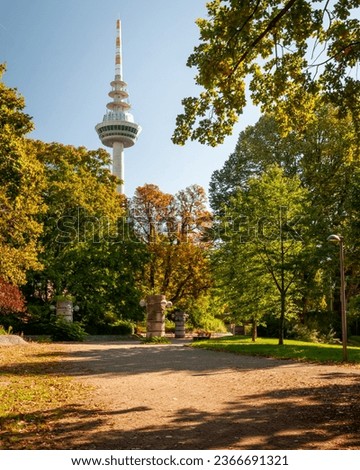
x: 64, y: 309
x: 180, y: 319
x: 155, y: 310
x: 155, y: 314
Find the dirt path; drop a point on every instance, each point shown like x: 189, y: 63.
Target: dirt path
x: 174, y: 397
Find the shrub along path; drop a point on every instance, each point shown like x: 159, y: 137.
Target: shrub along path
x: 145, y: 396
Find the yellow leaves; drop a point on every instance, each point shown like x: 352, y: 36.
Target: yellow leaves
x: 78, y: 178
x: 300, y: 109
x: 15, y: 262
x: 173, y: 228
x: 286, y: 92
x: 20, y: 227
x: 21, y: 184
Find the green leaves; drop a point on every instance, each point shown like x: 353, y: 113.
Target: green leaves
x: 276, y: 201
x: 285, y: 53
x: 89, y: 251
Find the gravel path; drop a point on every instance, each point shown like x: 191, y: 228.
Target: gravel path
x: 175, y: 397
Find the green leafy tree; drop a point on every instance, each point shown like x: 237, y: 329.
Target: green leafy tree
x: 247, y: 291
x: 326, y: 161
x: 21, y: 186
x: 89, y: 251
x: 258, y: 147
x: 285, y: 54
x: 350, y: 230
x: 263, y: 222
x: 105, y: 277
x: 324, y: 158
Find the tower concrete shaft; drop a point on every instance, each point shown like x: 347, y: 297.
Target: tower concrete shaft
x: 118, y: 164
x: 118, y: 129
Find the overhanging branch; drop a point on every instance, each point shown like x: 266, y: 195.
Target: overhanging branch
x: 259, y: 38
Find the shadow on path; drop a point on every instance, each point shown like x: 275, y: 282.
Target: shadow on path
x: 279, y: 422
x: 325, y: 416
x: 124, y: 358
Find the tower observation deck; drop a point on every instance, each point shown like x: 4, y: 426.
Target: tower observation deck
x: 118, y: 129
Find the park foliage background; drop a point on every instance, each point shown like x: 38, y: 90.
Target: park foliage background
x: 258, y: 256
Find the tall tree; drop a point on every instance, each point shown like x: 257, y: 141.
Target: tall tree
x: 242, y: 283
x: 284, y: 53
x: 173, y: 227
x: 258, y: 147
x: 263, y: 231
x: 326, y: 160
x: 88, y: 249
x: 21, y: 186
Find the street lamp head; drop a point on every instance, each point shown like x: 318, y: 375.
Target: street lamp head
x: 335, y: 238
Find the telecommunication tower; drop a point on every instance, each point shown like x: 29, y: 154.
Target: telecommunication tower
x: 118, y: 129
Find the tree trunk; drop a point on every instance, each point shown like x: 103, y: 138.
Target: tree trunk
x: 282, y: 293
x: 282, y: 317
x: 254, y: 330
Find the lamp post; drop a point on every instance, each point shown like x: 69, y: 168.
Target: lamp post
x: 339, y: 239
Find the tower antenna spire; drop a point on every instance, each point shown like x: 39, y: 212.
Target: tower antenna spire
x: 118, y: 55
x: 118, y: 129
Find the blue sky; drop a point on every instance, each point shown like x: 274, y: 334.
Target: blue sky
x: 60, y: 56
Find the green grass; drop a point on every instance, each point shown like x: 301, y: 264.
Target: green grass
x: 156, y: 340
x: 268, y: 347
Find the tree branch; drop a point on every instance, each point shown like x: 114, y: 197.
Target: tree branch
x: 238, y: 31
x: 269, y: 27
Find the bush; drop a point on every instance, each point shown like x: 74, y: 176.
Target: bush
x: 303, y: 333
x: 38, y: 320
x: 156, y: 339
x: 120, y: 327
x: 17, y: 321
x: 312, y: 335
x: 213, y: 324
x: 169, y: 326
x: 62, y: 330
x: 11, y: 299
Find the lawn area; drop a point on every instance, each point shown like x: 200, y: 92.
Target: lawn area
x: 34, y: 396
x: 268, y: 347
